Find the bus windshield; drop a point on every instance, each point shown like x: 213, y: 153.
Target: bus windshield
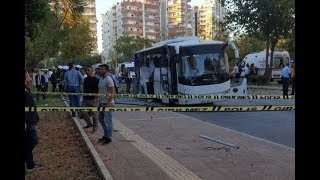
x: 202, y: 69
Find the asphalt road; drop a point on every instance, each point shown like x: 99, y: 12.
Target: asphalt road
x: 278, y: 126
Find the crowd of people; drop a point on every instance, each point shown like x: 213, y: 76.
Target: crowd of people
x: 87, y: 80
x: 240, y: 70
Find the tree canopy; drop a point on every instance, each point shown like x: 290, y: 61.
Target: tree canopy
x: 55, y: 28
x: 269, y: 19
x: 126, y: 46
x: 248, y: 44
x: 79, y: 43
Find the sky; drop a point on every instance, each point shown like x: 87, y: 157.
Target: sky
x: 102, y: 6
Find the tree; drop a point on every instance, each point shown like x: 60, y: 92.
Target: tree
x: 78, y: 43
x: 248, y: 44
x: 113, y: 58
x: 126, y: 46
x: 88, y: 60
x: 270, y: 19
x: 222, y: 34
x: 44, y: 43
x: 287, y: 44
x: 45, y: 30
x: 69, y: 11
x: 36, y: 12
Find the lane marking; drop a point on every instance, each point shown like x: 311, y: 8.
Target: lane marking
x: 169, y: 165
x: 239, y: 132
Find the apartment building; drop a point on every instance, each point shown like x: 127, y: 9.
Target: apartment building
x: 179, y: 18
x: 90, y: 14
x: 130, y: 17
x: 109, y: 33
x: 211, y: 13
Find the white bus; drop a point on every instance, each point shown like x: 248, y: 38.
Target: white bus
x: 280, y: 59
x: 186, y: 66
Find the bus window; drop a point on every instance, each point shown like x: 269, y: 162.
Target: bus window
x: 202, y: 69
x: 164, y: 62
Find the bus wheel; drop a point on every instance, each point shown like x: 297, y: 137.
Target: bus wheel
x: 271, y: 80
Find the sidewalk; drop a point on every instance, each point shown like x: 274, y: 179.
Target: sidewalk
x: 155, y: 145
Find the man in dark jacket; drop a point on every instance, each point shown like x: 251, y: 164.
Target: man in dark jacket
x: 40, y: 82
x: 53, y: 79
x: 31, y: 120
x: 90, y: 85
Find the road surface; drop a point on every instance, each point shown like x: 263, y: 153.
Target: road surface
x: 278, y: 126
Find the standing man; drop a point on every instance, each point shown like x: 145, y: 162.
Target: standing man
x: 53, y: 79
x: 246, y: 71
x: 90, y: 85
x: 40, y: 82
x: 73, y: 80
x: 293, y: 81
x: 31, y: 120
x: 237, y: 71
x: 97, y: 73
x: 106, y: 86
x: 128, y: 80
x: 83, y: 73
x: 46, y: 82
x: 285, y: 76
x: 115, y: 78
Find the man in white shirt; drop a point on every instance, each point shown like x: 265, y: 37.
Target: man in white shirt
x: 285, y: 76
x: 246, y: 70
x: 46, y: 84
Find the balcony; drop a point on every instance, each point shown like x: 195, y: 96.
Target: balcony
x: 175, y: 10
x: 128, y: 3
x: 151, y: 6
x: 132, y: 26
x: 126, y: 11
x: 152, y: 12
x: 131, y: 18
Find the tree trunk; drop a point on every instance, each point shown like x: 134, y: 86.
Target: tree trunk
x: 273, y: 45
x: 267, y: 51
x: 267, y: 73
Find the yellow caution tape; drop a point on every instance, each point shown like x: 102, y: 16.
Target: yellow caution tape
x: 180, y: 96
x: 180, y: 109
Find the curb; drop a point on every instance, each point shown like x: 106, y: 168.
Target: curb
x: 93, y: 152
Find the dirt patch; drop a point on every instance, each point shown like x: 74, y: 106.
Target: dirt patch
x: 61, y: 150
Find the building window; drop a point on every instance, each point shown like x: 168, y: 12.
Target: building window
x: 132, y: 15
x: 131, y: 29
